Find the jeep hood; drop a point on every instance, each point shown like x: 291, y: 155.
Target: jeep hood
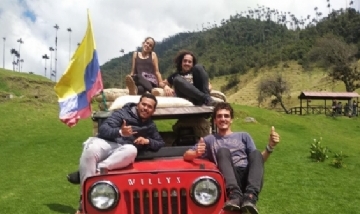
x: 166, y: 164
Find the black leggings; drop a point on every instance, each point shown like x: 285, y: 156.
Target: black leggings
x: 143, y: 84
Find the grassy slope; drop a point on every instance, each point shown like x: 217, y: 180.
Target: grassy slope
x: 299, y: 80
x: 27, y: 86
x: 38, y: 151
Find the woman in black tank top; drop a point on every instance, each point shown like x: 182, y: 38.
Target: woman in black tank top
x: 144, y: 75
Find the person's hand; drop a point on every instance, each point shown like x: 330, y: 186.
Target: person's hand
x: 141, y: 141
x: 169, y: 92
x: 126, y: 130
x: 274, y: 138
x: 200, y: 148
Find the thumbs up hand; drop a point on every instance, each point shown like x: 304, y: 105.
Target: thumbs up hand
x: 274, y: 138
x: 201, y: 146
x: 126, y: 130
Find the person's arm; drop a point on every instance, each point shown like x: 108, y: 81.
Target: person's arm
x: 167, y: 84
x: 266, y: 153
x: 274, y: 139
x: 197, y: 151
x: 133, y: 64
x: 190, y: 155
x: 167, y: 81
x: 155, y: 139
x: 110, y: 128
x: 157, y: 72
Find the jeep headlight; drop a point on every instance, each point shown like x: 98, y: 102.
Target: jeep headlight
x: 103, y: 195
x: 205, y: 191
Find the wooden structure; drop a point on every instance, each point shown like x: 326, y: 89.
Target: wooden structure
x: 310, y: 95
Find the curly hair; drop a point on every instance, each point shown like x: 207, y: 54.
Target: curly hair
x: 180, y: 56
x: 223, y: 105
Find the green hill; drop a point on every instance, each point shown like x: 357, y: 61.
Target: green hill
x: 26, y: 87
x: 258, y: 39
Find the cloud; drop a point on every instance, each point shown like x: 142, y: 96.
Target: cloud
x: 117, y: 24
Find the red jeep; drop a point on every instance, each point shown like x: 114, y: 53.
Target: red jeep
x: 160, y: 182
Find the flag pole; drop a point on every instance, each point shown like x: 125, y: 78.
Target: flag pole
x: 104, y: 100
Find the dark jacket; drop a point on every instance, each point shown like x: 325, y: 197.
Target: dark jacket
x: 109, y: 129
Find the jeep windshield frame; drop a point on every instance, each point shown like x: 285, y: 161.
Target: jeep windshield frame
x: 162, y: 114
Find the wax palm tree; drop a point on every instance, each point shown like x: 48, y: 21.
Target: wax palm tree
x: 14, y: 64
x: 4, y: 38
x: 21, y: 64
x: 20, y: 41
x: 56, y: 30
x: 45, y: 57
x: 13, y: 52
x: 51, y: 49
x: 69, y: 30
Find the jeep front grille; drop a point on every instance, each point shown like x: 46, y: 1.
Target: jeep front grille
x: 154, y: 201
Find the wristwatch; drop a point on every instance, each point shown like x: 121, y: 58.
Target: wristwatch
x: 269, y: 149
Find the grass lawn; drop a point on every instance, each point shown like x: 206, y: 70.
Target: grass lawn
x: 38, y: 151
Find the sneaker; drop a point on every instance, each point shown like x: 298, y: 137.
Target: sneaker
x: 130, y: 84
x: 210, y: 102
x: 249, y: 204
x: 74, y: 177
x: 233, y: 203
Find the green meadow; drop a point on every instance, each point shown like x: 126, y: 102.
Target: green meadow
x: 38, y: 151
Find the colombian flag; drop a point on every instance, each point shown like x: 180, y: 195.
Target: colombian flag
x: 80, y: 82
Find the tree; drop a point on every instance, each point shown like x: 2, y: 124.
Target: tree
x: 338, y: 57
x: 107, y: 85
x: 20, y: 41
x: 274, y: 86
x: 13, y: 52
x: 45, y: 57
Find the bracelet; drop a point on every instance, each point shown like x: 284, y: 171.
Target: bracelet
x: 121, y: 134
x: 269, y: 149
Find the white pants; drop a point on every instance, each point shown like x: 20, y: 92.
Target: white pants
x: 106, y: 154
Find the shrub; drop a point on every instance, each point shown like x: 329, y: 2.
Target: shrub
x: 338, y: 160
x: 317, y: 152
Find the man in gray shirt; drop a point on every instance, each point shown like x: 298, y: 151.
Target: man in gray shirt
x: 237, y: 158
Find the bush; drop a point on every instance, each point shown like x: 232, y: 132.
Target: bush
x: 317, y: 152
x: 231, y: 83
x: 338, y: 160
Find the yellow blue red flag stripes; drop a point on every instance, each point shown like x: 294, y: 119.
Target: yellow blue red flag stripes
x: 81, y: 81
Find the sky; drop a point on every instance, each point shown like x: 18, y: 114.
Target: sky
x: 117, y: 24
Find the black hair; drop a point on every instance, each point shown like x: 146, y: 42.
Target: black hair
x: 150, y: 96
x: 180, y: 56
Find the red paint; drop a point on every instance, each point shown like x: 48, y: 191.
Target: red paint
x: 164, y: 164
x: 170, y: 174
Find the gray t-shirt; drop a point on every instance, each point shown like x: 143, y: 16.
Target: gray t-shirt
x: 240, y: 145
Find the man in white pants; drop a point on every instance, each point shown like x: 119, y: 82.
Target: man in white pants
x: 120, y: 137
